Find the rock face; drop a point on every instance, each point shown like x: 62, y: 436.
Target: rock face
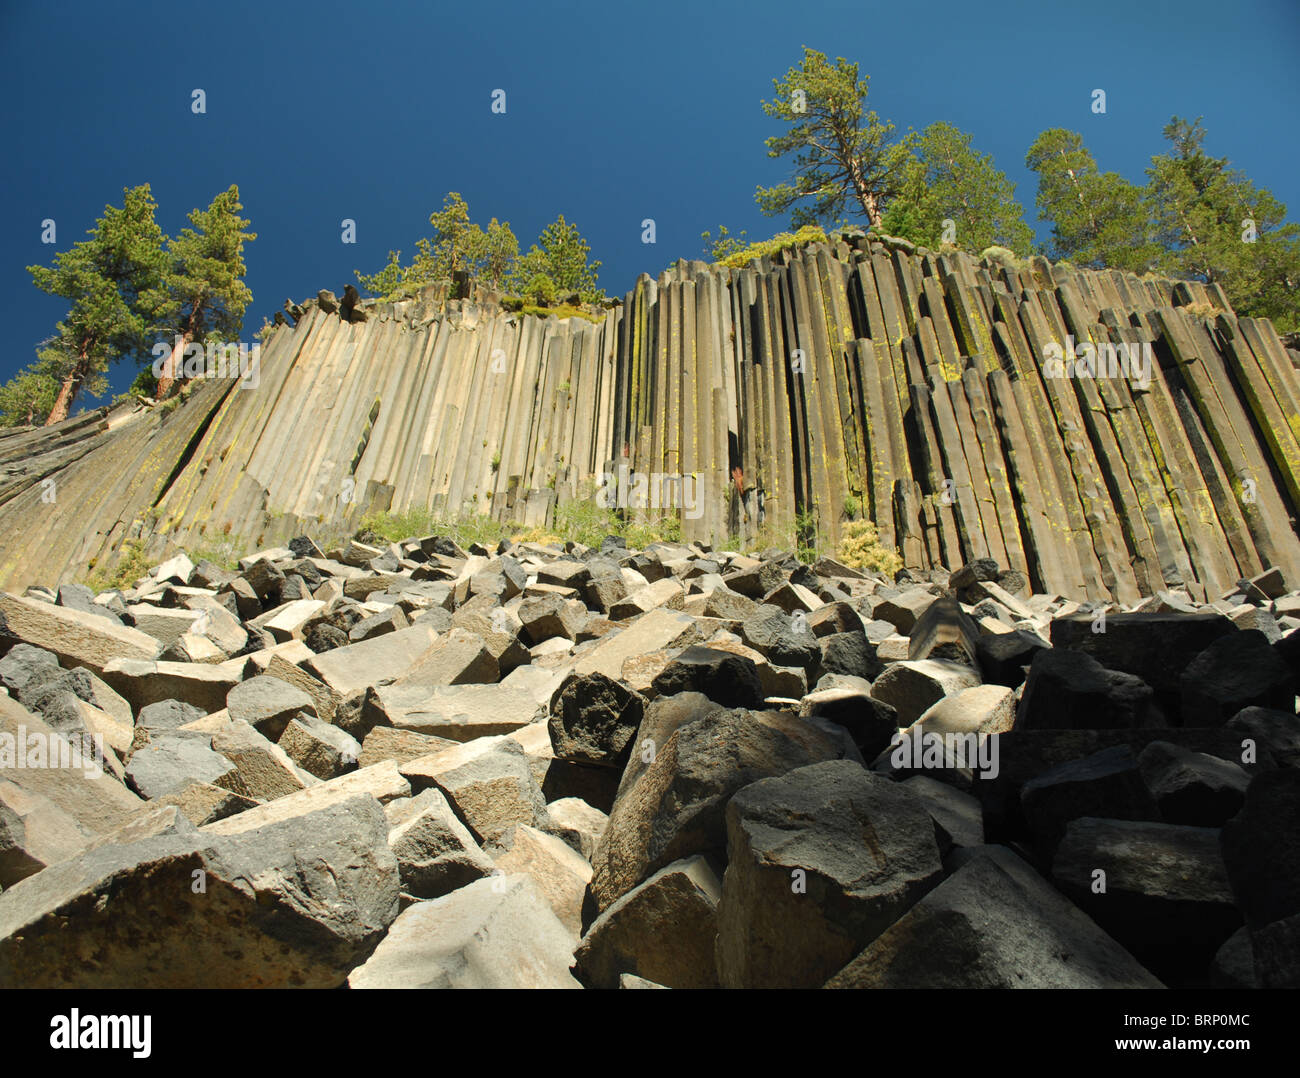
x: 1043, y: 496
x: 594, y: 719
x: 677, y: 767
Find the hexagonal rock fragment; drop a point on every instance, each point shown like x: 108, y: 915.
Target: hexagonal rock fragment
x: 605, y: 586
x: 850, y: 654
x: 944, y: 631
x: 456, y: 658
x: 831, y: 618
x: 34, y: 832
x: 1157, y: 647
x: 981, y: 709
x: 1107, y: 782
x: 1166, y: 895
x: 786, y: 640
x: 792, y: 598
x: 1004, y: 657
x: 672, y: 806
x: 994, y: 923
x: 295, y: 903
x: 435, y: 852
x: 784, y: 681
x: 1192, y: 788
x: 755, y: 581
x: 663, y: 930
x: 172, y: 761
x: 77, y: 638
x: 1261, y: 848
x: 561, y: 874
x: 577, y: 823
x: 1237, y: 671
x: 871, y: 723
x: 911, y: 687
x: 203, y: 803
x: 902, y: 610
x: 263, y: 771
x: 319, y: 748
x: 493, y: 933
x: 594, y: 719
x: 488, y: 782
x: 456, y: 712
x: 820, y: 861
x: 25, y: 665
x: 724, y: 603
x: 1275, y: 734
x: 957, y: 816
x: 666, y: 593
x: 267, y: 704
x: 1070, y: 690
x: 388, y: 743
x: 549, y: 616
x: 972, y: 572
x: 725, y: 678
x: 379, y: 624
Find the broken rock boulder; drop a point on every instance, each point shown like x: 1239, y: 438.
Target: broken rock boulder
x: 673, y: 806
x: 820, y: 861
x: 994, y: 923
x: 493, y: 933
x: 160, y: 903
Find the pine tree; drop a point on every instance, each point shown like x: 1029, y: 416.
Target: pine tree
x: 202, y: 295
x: 28, y: 397
x: 1214, y: 225
x: 844, y: 156
x: 562, y: 257
x: 107, y: 278
x: 500, y: 250
x: 947, y: 180
x: 388, y: 280
x: 1098, y: 219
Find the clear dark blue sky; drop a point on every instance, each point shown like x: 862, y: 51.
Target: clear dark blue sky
x: 322, y: 111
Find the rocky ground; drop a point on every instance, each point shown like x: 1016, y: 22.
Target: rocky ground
x: 422, y: 766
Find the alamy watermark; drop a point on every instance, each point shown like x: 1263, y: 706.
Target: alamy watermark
x: 38, y: 750
x: 212, y: 360
x: 1087, y: 360
x: 653, y: 490
x: 917, y: 750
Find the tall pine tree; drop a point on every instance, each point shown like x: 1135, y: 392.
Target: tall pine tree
x: 1214, y: 225
x: 946, y: 179
x: 202, y: 295
x: 107, y: 278
x: 846, y: 159
x: 1098, y: 219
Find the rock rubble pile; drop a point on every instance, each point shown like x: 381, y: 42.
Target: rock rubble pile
x: 678, y: 767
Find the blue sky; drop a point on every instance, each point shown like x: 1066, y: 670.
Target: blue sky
x: 616, y: 112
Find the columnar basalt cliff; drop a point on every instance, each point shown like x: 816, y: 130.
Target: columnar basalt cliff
x: 862, y: 372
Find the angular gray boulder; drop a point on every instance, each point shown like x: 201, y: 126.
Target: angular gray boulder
x: 819, y: 862
x: 994, y: 923
x: 160, y: 903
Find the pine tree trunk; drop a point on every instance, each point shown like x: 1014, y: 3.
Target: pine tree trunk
x: 168, y: 376
x: 69, y: 388
x: 63, y: 402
